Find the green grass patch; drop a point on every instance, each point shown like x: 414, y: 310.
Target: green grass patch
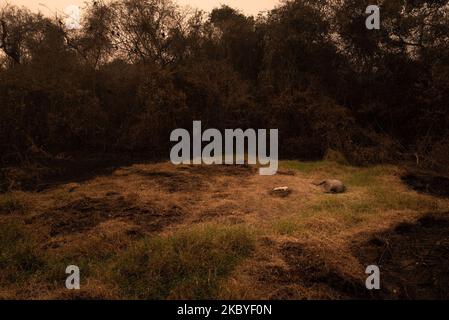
x: 55, y: 270
x: 352, y: 211
x: 308, y: 167
x: 387, y: 199
x: 351, y: 176
x: 368, y: 193
x: 360, y: 178
x: 189, y: 264
x: 374, y: 199
x: 332, y: 205
x: 18, y: 256
x: 287, y: 226
x: 365, y: 177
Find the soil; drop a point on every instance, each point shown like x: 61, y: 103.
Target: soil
x: 46, y: 173
x: 173, y: 182
x: 413, y: 259
x: 220, y: 170
x: 86, y: 213
x: 312, y: 270
x: 428, y: 183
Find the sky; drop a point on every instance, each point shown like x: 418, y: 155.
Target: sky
x: 249, y: 7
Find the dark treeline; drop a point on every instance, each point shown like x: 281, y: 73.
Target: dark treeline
x: 137, y: 69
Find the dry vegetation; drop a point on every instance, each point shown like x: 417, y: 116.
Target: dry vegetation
x: 70, y: 100
x: 157, y: 231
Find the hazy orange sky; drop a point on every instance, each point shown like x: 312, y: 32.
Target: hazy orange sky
x: 247, y: 6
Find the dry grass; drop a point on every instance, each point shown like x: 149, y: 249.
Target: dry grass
x: 156, y: 231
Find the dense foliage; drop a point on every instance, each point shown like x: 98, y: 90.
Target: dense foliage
x: 137, y: 69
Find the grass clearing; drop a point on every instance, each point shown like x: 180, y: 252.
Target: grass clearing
x: 371, y: 191
x: 228, y: 238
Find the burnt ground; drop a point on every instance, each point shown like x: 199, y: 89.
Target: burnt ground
x: 428, y: 183
x: 191, y: 178
x: 312, y: 270
x: 413, y: 259
x: 86, y: 213
x: 42, y: 174
x: 173, y: 182
x: 324, y: 258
